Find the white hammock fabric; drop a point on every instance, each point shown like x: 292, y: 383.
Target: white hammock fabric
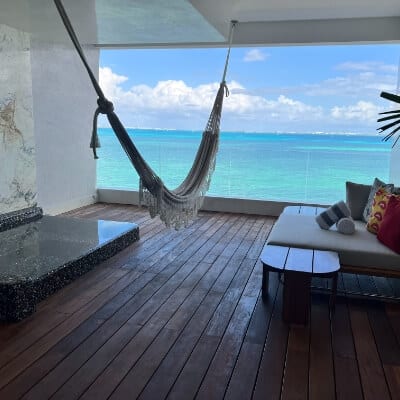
x: 175, y: 207
x: 178, y: 207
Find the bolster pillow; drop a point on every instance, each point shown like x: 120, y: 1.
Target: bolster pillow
x: 346, y: 226
x: 333, y: 214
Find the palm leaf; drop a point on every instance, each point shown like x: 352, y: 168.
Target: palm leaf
x: 391, y: 97
x: 395, y: 115
x: 390, y: 112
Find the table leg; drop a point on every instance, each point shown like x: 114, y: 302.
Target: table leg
x: 296, y: 297
x: 265, y: 282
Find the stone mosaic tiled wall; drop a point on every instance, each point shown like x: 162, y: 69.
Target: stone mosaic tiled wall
x: 17, y: 146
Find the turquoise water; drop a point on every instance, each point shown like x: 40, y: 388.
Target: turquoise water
x: 268, y: 166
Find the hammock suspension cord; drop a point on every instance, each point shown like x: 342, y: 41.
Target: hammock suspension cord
x: 175, y: 207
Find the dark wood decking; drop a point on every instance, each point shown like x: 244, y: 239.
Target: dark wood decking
x: 179, y: 315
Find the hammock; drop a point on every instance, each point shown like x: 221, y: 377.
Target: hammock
x: 175, y: 207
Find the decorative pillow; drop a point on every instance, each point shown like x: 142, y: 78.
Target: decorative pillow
x: 346, y: 226
x: 379, y: 205
x: 389, y: 231
x: 332, y: 214
x: 375, y: 186
x: 356, y: 198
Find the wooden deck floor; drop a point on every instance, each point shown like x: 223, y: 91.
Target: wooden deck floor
x: 178, y: 315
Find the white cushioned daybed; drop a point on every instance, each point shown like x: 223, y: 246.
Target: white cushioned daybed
x: 360, y: 252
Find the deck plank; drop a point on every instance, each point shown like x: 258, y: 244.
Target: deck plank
x: 321, y: 372
x: 152, y: 357
x: 171, y: 366
x: 387, y: 346
x: 245, y: 371
x: 270, y: 372
x: 347, y: 377
x: 295, y: 379
x: 108, y: 380
x: 145, y: 368
x: 219, y: 372
x: 68, y: 334
x: 32, y: 353
x: 190, y: 378
x: 370, y: 367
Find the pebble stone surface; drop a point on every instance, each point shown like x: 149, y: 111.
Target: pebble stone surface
x: 16, y: 218
x: 40, y: 257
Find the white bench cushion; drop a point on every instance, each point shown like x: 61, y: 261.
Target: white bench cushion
x: 362, y: 249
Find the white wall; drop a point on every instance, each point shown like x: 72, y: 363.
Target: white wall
x: 395, y: 165
x: 63, y: 105
x: 17, y: 147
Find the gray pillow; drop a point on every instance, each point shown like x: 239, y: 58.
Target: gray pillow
x: 389, y: 187
x: 356, y: 198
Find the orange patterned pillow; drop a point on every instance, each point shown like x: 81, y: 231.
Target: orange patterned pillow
x: 379, y: 206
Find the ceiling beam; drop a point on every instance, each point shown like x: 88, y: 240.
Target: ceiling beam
x: 327, y: 31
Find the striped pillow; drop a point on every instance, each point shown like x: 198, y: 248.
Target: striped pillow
x: 332, y: 214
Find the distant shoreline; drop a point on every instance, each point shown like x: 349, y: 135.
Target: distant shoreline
x: 224, y: 132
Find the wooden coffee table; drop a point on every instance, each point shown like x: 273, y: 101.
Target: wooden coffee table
x: 298, y: 267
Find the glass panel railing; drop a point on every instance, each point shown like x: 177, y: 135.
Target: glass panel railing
x: 283, y: 167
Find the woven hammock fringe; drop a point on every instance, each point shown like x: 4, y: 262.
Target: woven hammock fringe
x: 173, y: 216
x: 177, y: 214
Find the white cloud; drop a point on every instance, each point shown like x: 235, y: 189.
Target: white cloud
x: 364, y: 84
x: 173, y: 104
x: 109, y: 82
x: 361, y: 111
x: 255, y: 55
x: 367, y: 66
x: 359, y: 84
x: 165, y: 95
x: 173, y: 101
x: 358, y: 81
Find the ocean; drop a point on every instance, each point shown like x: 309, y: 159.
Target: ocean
x: 268, y: 166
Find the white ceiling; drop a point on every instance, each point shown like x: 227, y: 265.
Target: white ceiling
x: 283, y: 10
x: 147, y: 23
x: 304, y: 21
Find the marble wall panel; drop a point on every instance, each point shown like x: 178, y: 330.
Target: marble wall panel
x: 17, y: 145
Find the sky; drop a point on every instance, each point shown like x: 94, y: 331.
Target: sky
x: 304, y: 89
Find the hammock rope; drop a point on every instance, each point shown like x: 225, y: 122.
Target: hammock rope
x: 175, y: 207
